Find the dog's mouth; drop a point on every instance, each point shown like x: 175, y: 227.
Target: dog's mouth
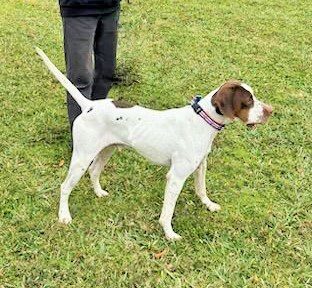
x: 255, y: 124
x: 252, y: 126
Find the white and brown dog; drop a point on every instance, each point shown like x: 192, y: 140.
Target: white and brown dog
x: 180, y: 138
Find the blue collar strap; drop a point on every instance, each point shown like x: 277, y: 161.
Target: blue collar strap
x: 200, y: 111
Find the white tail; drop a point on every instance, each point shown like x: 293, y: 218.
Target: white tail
x: 82, y: 101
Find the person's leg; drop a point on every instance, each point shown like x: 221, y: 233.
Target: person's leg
x: 105, y: 45
x: 78, y: 47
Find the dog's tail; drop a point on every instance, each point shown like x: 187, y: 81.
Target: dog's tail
x: 82, y: 101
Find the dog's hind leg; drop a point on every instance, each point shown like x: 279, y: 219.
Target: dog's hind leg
x: 78, y: 167
x: 200, y: 186
x: 96, y: 168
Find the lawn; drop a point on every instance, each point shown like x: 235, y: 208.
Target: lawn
x: 168, y: 51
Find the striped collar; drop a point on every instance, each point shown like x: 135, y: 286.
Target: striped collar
x: 200, y: 111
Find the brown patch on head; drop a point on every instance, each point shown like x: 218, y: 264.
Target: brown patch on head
x: 122, y: 104
x: 233, y: 100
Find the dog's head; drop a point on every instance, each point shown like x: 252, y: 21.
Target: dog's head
x: 237, y: 100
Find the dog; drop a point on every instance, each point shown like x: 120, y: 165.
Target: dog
x: 180, y: 138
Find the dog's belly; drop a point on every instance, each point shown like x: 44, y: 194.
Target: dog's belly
x: 159, y: 159
x: 158, y: 135
x: 152, y: 143
x: 149, y: 133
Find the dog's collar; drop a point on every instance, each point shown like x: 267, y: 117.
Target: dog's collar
x: 200, y: 111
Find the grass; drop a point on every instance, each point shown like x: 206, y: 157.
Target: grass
x: 168, y: 51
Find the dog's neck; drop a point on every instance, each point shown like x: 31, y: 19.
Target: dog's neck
x: 206, y: 104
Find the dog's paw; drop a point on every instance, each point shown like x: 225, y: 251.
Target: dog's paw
x: 213, y: 207
x: 101, y: 193
x: 173, y: 236
x: 64, y: 219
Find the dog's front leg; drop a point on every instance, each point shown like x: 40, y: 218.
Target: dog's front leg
x: 200, y: 186
x: 173, y: 188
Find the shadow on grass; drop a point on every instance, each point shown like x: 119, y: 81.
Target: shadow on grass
x: 125, y: 75
x: 52, y: 135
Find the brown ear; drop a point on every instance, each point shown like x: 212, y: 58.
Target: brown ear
x: 223, y: 100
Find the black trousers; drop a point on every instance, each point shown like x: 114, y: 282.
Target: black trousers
x: 90, y: 44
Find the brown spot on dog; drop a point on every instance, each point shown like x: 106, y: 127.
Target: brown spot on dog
x: 122, y: 104
x: 233, y: 100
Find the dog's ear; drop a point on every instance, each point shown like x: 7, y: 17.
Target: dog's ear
x: 223, y: 99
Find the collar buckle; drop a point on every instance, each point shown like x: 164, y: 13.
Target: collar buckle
x: 194, y: 103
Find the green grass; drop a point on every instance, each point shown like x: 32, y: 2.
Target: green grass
x: 169, y: 50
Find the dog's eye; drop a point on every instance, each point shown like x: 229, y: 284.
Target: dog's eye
x: 244, y: 106
x: 248, y: 103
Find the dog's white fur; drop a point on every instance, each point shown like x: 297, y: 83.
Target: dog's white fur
x: 177, y: 137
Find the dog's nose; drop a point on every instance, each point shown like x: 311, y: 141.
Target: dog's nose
x: 267, y: 110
